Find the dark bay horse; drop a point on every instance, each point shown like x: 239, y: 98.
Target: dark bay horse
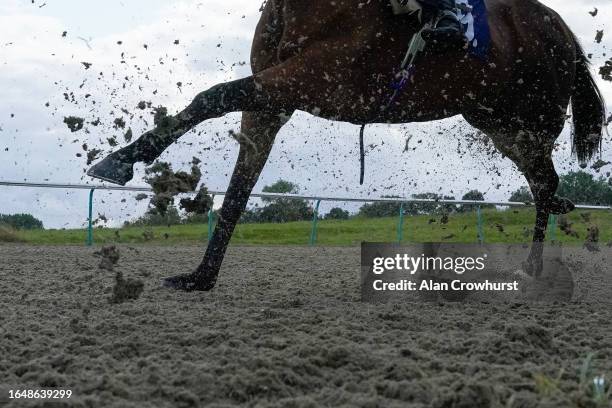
x: 336, y: 60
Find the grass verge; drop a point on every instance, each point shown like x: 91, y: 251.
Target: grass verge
x: 511, y: 226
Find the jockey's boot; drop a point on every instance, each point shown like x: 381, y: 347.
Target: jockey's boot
x: 447, y: 32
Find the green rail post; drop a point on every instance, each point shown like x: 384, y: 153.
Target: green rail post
x: 400, y: 225
x: 480, y: 225
x: 211, y: 220
x: 90, y: 219
x: 552, y: 227
x: 315, y: 220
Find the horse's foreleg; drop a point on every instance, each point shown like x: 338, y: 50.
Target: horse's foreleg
x: 240, y: 95
x: 260, y: 130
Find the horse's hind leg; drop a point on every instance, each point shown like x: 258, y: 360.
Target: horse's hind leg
x: 543, y: 181
x: 258, y: 133
x: 532, y: 153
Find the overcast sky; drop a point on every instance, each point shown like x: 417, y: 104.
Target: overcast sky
x: 38, y: 65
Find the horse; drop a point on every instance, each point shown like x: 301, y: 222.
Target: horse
x: 335, y: 60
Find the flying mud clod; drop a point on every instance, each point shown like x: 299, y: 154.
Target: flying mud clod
x: 592, y: 239
x: 167, y: 184
x: 126, y: 289
x: 109, y: 257
x: 74, y: 123
x: 606, y: 71
x: 200, y: 204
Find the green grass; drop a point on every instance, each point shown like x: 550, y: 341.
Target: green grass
x: 516, y: 226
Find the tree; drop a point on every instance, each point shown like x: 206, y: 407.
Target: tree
x: 154, y: 218
x: 280, y: 187
x: 391, y: 209
x: 473, y: 195
x: 380, y: 209
x: 522, y: 195
x: 430, y: 208
x: 582, y: 188
x: 250, y: 216
x: 280, y: 209
x: 21, y: 221
x: 337, y: 213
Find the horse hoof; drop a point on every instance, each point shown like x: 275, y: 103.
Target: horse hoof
x: 560, y: 206
x: 522, y: 275
x: 187, y: 283
x: 533, y: 267
x: 113, y: 170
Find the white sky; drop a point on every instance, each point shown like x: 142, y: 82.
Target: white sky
x: 37, y: 66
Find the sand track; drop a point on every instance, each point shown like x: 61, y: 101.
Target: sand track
x: 284, y: 327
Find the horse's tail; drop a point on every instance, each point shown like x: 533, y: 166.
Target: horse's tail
x: 589, y: 110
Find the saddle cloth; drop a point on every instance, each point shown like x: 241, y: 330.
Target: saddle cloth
x: 475, y: 22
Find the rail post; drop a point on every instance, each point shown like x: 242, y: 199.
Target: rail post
x: 552, y: 227
x: 400, y: 225
x: 315, y: 219
x: 90, y: 218
x: 211, y: 220
x: 480, y: 225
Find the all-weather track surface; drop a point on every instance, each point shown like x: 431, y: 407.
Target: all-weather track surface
x: 285, y: 327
